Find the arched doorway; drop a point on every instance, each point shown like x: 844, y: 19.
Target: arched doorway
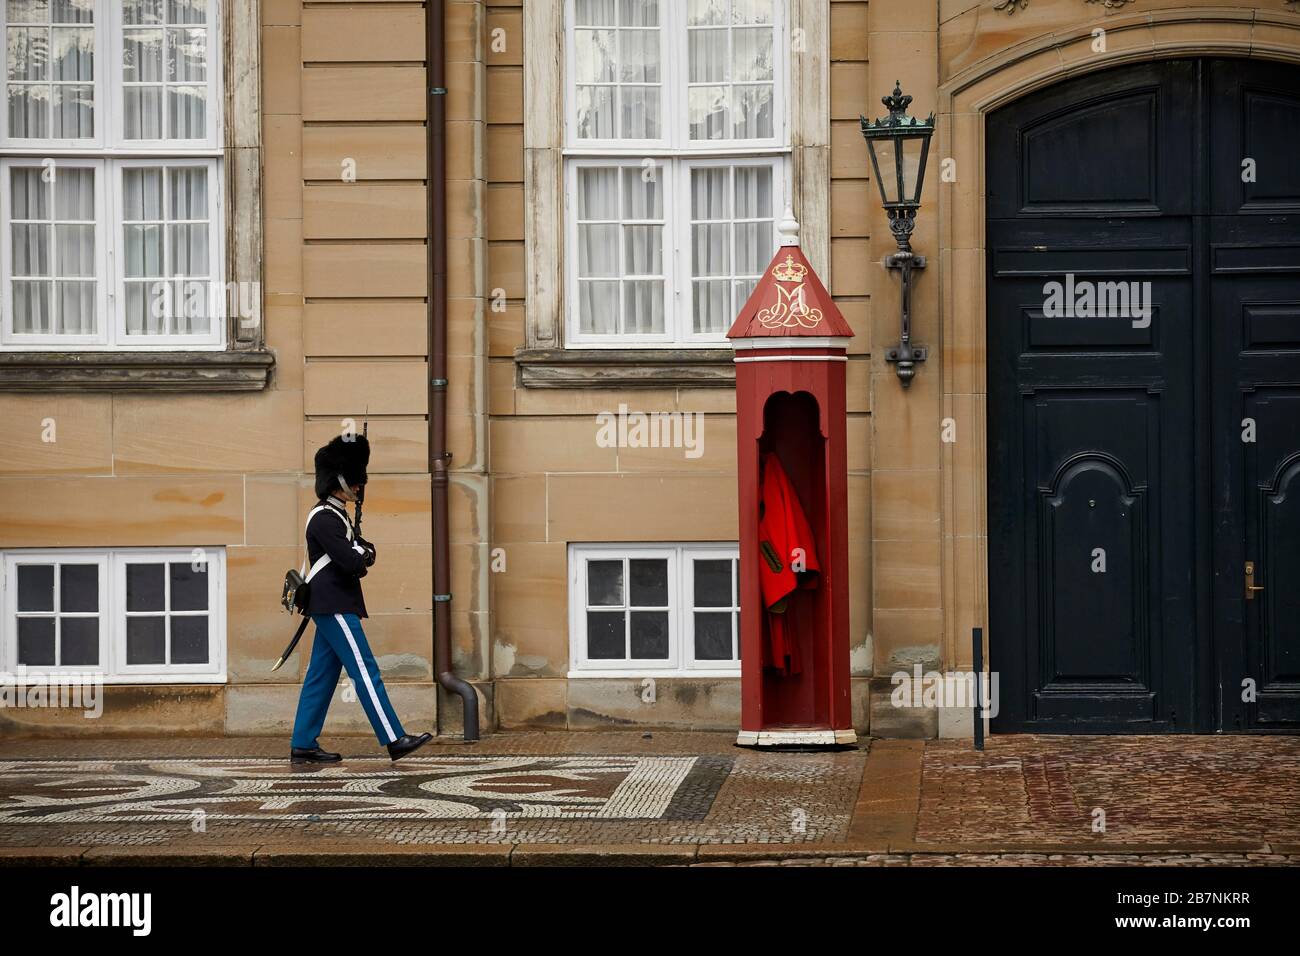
x: 1142, y: 251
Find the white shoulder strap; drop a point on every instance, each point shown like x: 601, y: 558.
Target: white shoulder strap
x: 324, y: 559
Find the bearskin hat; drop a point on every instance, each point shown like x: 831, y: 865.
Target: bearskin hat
x: 342, y: 456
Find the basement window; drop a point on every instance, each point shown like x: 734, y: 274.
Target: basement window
x: 131, y: 615
x: 638, y: 610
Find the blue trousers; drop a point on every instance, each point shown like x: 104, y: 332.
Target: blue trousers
x: 341, y: 644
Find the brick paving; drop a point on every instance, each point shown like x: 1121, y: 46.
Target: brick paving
x: 1168, y: 790
x: 666, y: 798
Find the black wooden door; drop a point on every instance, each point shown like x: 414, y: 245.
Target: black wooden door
x: 1142, y: 298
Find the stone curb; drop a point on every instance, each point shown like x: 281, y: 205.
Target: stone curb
x: 560, y: 855
x: 611, y: 854
x: 158, y: 856
x: 491, y: 854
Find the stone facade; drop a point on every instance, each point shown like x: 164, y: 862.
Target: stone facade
x: 344, y: 286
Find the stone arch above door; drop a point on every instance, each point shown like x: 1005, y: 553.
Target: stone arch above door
x: 1022, y: 57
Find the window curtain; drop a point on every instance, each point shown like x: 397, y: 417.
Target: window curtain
x: 620, y: 250
x: 165, y: 239
x: 731, y: 240
x: 52, y: 230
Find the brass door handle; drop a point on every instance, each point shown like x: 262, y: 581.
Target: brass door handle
x: 1251, y: 587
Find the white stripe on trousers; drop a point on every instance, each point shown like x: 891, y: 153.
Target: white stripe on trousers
x: 365, y: 676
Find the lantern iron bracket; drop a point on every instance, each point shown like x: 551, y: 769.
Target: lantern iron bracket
x: 905, y: 355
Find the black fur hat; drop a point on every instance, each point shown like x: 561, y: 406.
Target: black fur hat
x: 341, y: 456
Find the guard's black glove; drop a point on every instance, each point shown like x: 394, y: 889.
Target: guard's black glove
x: 370, y: 553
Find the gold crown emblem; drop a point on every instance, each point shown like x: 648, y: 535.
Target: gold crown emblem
x: 789, y: 271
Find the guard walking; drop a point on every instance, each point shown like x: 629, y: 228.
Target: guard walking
x: 336, y: 607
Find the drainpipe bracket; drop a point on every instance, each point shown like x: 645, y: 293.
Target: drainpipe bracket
x: 438, y: 91
x: 441, y: 598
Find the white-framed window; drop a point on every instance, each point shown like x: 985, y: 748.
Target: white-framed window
x: 110, y: 175
x: 134, y: 615
x: 677, y: 165
x: 655, y: 608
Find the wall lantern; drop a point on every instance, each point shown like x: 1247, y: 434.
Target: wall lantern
x: 899, y: 145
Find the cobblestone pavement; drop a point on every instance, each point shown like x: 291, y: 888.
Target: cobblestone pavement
x: 1024, y: 801
x: 1167, y: 790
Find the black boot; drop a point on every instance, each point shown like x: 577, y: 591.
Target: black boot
x: 405, y: 744
x: 312, y: 755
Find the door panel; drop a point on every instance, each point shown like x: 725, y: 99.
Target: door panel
x: 1122, y: 436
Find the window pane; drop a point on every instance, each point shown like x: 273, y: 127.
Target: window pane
x: 706, y: 11
x: 146, y: 639
x: 143, y: 250
x: 33, y: 307
x: 78, y: 641
x: 142, y: 116
x: 142, y: 56
x: 29, y: 116
x: 753, y: 192
x: 713, y: 640
x: 189, y: 587
x: 713, y: 583
x: 72, y: 11
x: 76, y: 307
x: 31, y: 255
x: 27, y: 11
x: 711, y: 250
x: 596, y: 12
x: 605, y: 583
x: 643, y: 308
x: 35, y: 587
x: 598, y: 250
x: 142, y: 11
x: 142, y: 194
x: 751, y: 54
x: 598, y: 308
x: 606, y: 636
x: 72, y: 53
x: 36, y: 641
x: 598, y: 193
x: 187, y: 112
x: 145, y: 587
x: 189, y: 249
x: 187, y: 55
x: 594, y: 55
x: 649, y: 635
x: 751, y: 11
x: 190, y: 639
x: 712, y: 308
x: 643, y: 195
x: 186, y: 11
x: 640, y: 112
x: 639, y: 13
x: 710, y: 192
x: 74, y: 195
x: 649, y: 582
x: 79, y: 587
x: 30, y: 196
x: 596, y: 112
x: 754, y: 247
x: 639, y: 56
x: 643, y: 251
x: 752, y: 112
x: 708, y: 112
x: 28, y: 53
x: 708, y: 56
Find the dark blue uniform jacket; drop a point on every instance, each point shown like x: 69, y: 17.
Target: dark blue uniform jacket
x: 336, y: 589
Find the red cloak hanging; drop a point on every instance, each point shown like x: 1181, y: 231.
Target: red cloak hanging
x: 785, y: 543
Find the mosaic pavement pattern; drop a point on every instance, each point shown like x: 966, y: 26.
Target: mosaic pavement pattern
x: 526, y: 788
x: 419, y: 789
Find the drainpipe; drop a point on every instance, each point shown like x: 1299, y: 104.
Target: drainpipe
x: 435, y: 55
